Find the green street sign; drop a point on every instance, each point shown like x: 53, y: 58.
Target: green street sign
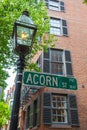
x: 48, y: 80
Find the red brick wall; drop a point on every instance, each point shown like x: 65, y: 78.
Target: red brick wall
x: 76, y: 42
x: 76, y: 16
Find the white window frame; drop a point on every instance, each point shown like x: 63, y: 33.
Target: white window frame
x: 54, y: 5
x: 59, y: 116
x: 56, y: 27
x: 57, y: 62
x: 64, y: 62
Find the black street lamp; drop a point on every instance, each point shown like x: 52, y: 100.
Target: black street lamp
x: 23, y: 34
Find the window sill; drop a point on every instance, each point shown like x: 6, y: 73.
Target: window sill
x: 60, y: 126
x: 34, y: 128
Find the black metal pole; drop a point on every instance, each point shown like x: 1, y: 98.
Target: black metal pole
x: 16, y: 102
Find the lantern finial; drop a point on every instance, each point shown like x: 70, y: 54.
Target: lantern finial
x: 25, y: 12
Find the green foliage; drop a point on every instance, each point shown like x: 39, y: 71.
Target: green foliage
x: 85, y: 1
x: 33, y: 67
x: 3, y: 77
x: 4, y: 113
x: 10, y: 10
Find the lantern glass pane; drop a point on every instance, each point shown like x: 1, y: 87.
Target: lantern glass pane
x: 24, y: 35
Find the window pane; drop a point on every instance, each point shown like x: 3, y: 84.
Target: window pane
x: 54, y: 5
x: 56, y: 55
x: 54, y: 112
x: 55, y: 31
x: 54, y: 119
x: 54, y: 8
x: 57, y: 68
x: 59, y: 112
x: 55, y: 22
x: 59, y: 119
x: 54, y: 104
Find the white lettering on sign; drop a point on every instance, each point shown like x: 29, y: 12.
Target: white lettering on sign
x: 48, y: 80
x: 35, y: 79
x: 42, y: 80
x: 29, y: 79
x: 64, y: 84
x: 55, y: 81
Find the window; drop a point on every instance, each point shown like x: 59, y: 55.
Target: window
x: 56, y: 61
x: 55, y: 5
x: 58, y: 27
x: 59, y: 109
x: 33, y: 114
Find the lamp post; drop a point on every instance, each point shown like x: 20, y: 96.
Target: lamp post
x: 23, y: 34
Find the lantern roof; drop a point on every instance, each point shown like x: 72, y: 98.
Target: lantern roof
x: 24, y: 18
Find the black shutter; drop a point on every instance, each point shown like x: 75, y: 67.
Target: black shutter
x: 73, y: 110
x: 64, y: 23
x: 38, y: 111
x: 62, y: 6
x: 47, y: 108
x: 28, y: 117
x: 69, y: 71
x: 34, y: 113
x: 67, y: 56
x: 46, y: 63
x: 46, y: 66
x: 65, y: 32
x: 46, y: 54
x: 61, y: 3
x: 64, y: 28
x: 31, y: 116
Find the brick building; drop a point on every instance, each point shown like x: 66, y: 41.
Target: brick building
x: 50, y: 108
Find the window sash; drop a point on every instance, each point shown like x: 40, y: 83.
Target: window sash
x: 57, y: 68
x: 58, y: 27
x: 60, y: 109
x: 56, y: 62
x: 55, y: 22
x: 56, y: 55
x: 55, y: 31
x: 55, y: 5
x: 55, y: 26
